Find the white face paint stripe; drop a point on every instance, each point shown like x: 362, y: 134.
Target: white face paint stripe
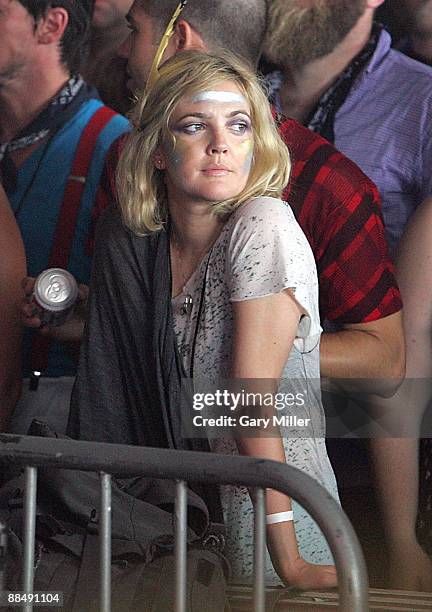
x: 218, y: 96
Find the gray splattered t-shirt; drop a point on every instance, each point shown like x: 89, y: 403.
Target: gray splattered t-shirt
x: 260, y: 251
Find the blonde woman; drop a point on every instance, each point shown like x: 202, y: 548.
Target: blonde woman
x: 209, y: 277
x: 12, y: 270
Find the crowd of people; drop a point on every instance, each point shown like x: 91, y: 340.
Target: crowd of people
x: 232, y: 228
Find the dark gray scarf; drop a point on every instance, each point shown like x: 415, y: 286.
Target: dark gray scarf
x: 128, y: 386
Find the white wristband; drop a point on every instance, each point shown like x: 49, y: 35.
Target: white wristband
x: 279, y: 517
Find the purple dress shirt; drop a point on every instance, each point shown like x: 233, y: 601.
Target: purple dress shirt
x: 385, y: 126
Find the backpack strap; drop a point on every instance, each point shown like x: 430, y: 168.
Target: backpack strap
x: 67, y: 218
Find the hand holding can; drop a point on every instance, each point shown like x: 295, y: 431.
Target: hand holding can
x: 54, y: 296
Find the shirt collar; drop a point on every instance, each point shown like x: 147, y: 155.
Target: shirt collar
x: 273, y: 81
x: 381, y: 52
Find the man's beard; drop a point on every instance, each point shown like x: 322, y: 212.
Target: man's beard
x: 11, y: 71
x: 305, y: 34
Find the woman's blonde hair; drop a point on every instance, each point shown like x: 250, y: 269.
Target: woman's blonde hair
x: 140, y: 186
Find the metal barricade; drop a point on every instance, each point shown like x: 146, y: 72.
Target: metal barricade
x: 185, y: 466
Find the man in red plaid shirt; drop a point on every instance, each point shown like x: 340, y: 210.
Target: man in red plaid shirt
x: 336, y: 205
x: 339, y: 210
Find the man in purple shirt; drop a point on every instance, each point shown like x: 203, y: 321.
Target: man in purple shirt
x: 341, y: 78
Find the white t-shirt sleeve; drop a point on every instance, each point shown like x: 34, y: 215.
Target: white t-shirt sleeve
x: 267, y: 253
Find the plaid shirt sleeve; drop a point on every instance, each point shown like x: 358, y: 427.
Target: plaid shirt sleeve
x: 339, y: 210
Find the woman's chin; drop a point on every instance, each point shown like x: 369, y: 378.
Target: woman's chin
x: 220, y: 195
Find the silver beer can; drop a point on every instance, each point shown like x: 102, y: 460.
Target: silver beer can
x: 55, y: 294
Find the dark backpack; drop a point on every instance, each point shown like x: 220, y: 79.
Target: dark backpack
x: 67, y: 547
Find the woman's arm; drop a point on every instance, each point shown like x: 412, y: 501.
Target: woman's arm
x: 12, y: 270
x: 264, y: 331
x: 396, y: 459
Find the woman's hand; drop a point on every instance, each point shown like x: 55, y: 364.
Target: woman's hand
x: 289, y: 565
x: 410, y: 568
x: 308, y: 576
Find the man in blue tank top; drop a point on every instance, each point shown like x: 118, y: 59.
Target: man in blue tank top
x: 54, y: 137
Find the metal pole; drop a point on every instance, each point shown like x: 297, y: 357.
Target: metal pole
x: 259, y: 551
x: 181, y: 545
x: 29, y: 532
x: 105, y: 542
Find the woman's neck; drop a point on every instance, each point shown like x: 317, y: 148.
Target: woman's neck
x: 193, y: 232
x: 194, y: 229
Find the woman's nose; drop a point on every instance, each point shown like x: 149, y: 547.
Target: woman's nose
x: 218, y: 148
x: 217, y: 144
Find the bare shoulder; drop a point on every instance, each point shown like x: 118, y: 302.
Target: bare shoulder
x: 12, y: 262
x: 417, y: 238
x: 11, y: 245
x: 6, y: 213
x: 423, y: 214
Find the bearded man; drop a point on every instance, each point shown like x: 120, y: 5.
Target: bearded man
x: 104, y: 69
x: 341, y: 79
x: 54, y: 136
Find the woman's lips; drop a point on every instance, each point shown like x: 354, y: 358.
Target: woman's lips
x: 216, y: 171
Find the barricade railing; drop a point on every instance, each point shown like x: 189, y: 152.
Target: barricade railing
x: 186, y: 466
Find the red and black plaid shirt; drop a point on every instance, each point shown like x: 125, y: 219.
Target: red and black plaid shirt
x: 338, y: 208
